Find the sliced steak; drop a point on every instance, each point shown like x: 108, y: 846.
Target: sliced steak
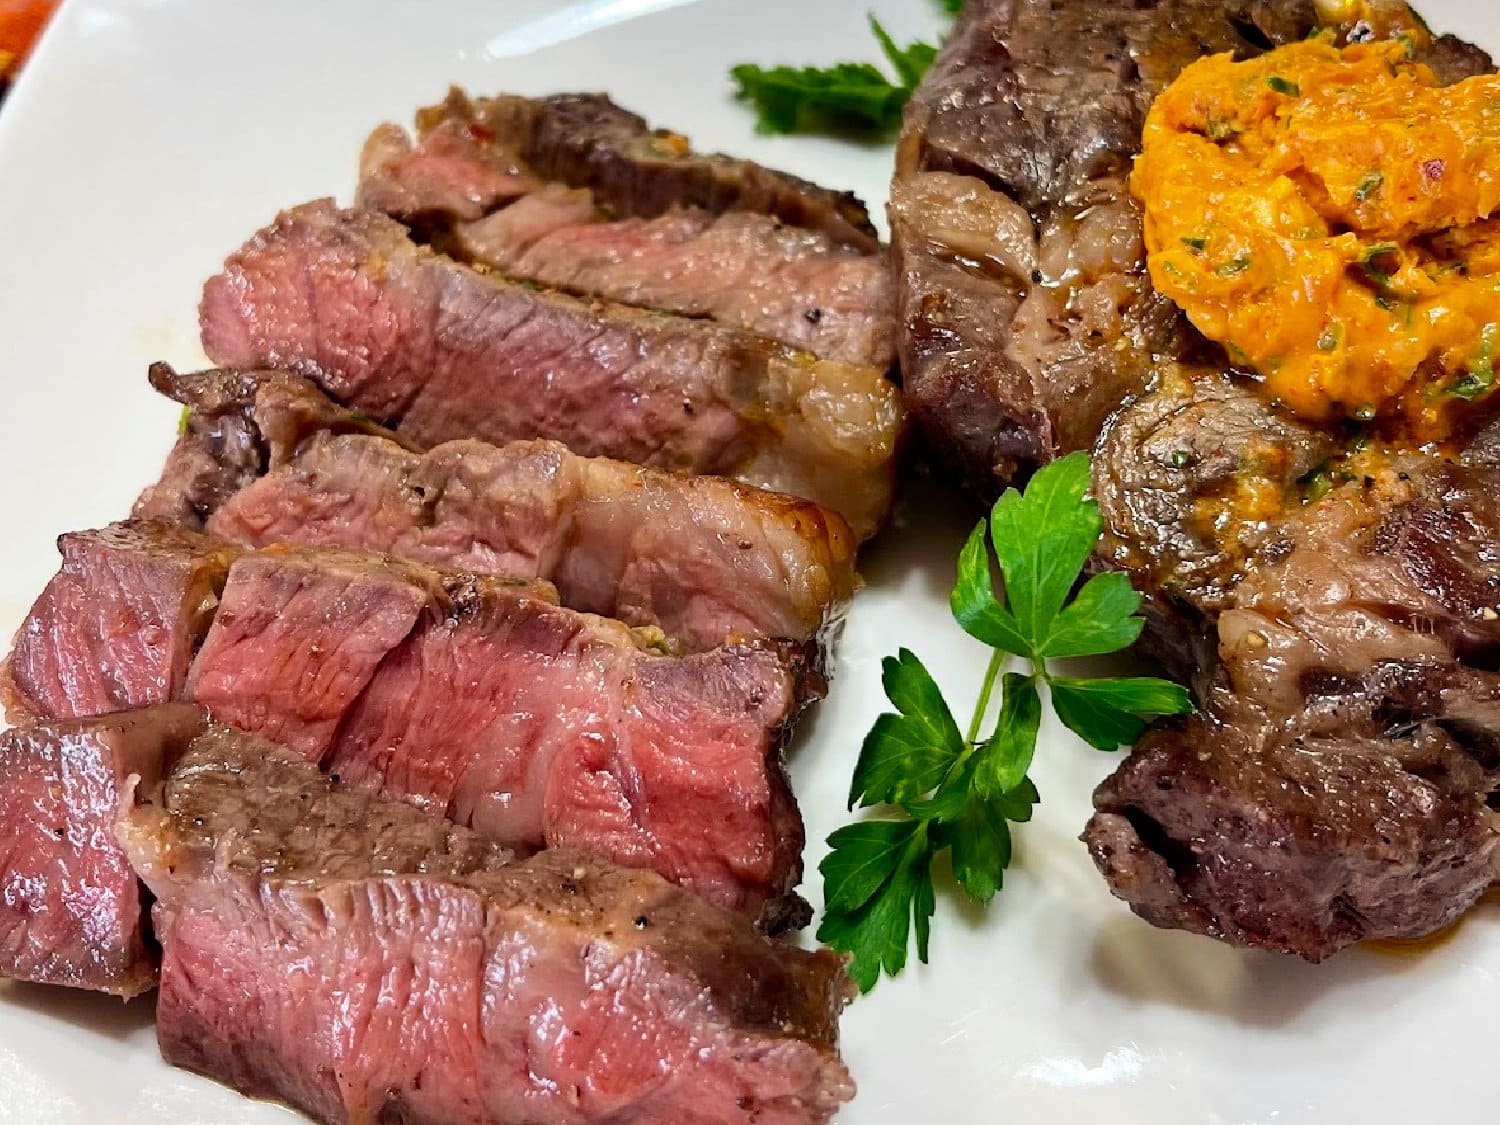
x: 469, y: 196
x: 70, y: 907
x: 586, y: 141
x: 299, y: 635
x: 749, y: 271
x: 483, y: 699
x: 443, y: 351
x: 705, y: 559
x: 560, y: 989
x: 117, y: 626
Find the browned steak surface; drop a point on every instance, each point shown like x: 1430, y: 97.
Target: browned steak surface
x: 483, y: 699
x: 558, y: 989
x: 70, y: 906
x: 442, y: 351
x: 704, y: 558
x: 587, y: 141
x: 237, y: 425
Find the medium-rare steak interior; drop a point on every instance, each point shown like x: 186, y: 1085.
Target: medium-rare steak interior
x: 1328, y: 587
x: 475, y: 697
x: 706, y: 559
x: 556, y: 989
x: 441, y: 351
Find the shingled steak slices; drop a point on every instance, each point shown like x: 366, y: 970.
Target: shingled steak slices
x: 483, y: 699
x: 441, y: 351
x: 470, y: 195
x: 706, y: 559
x: 559, y: 989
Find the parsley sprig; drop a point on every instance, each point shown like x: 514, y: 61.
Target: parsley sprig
x: 846, y: 97
x: 955, y: 791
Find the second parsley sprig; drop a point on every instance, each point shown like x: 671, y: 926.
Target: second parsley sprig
x: 955, y: 791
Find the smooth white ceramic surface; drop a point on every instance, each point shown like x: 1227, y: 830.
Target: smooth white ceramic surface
x: 149, y: 137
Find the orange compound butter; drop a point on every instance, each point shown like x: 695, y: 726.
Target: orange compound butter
x: 1325, y: 214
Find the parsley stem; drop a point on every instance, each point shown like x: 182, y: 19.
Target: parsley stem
x: 997, y: 661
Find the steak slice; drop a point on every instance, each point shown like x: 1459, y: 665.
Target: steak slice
x: 470, y: 197
x: 442, y: 351
x: 70, y: 906
x: 364, y: 962
x: 298, y: 637
x: 116, y: 627
x: 483, y: 699
x: 586, y: 141
x: 749, y: 271
x: 704, y: 558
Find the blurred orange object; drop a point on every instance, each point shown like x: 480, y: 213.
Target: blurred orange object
x: 21, y: 21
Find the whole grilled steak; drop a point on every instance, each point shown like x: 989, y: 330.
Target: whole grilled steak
x: 559, y: 989
x: 442, y: 351
x: 471, y: 197
x: 586, y: 141
x: 1335, y: 786
x: 705, y: 559
x: 485, y: 700
x: 70, y: 906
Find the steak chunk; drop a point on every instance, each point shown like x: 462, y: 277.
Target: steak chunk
x: 560, y: 989
x: 298, y: 637
x: 70, y: 906
x: 442, y: 352
x: 586, y: 141
x: 483, y: 699
x: 704, y: 558
x: 117, y: 625
x: 1365, y: 818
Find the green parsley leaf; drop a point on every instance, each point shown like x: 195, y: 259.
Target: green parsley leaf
x: 906, y: 754
x: 1283, y: 86
x: 952, y: 7
x: 973, y: 600
x: 1042, y: 539
x: 1101, y: 618
x: 1369, y: 186
x: 1109, y: 713
x: 864, y: 857
x: 1006, y: 756
x: 875, y: 932
x: 845, y: 97
x: 981, y: 846
x: 909, y: 64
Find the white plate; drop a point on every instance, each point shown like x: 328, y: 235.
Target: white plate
x: 150, y: 137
